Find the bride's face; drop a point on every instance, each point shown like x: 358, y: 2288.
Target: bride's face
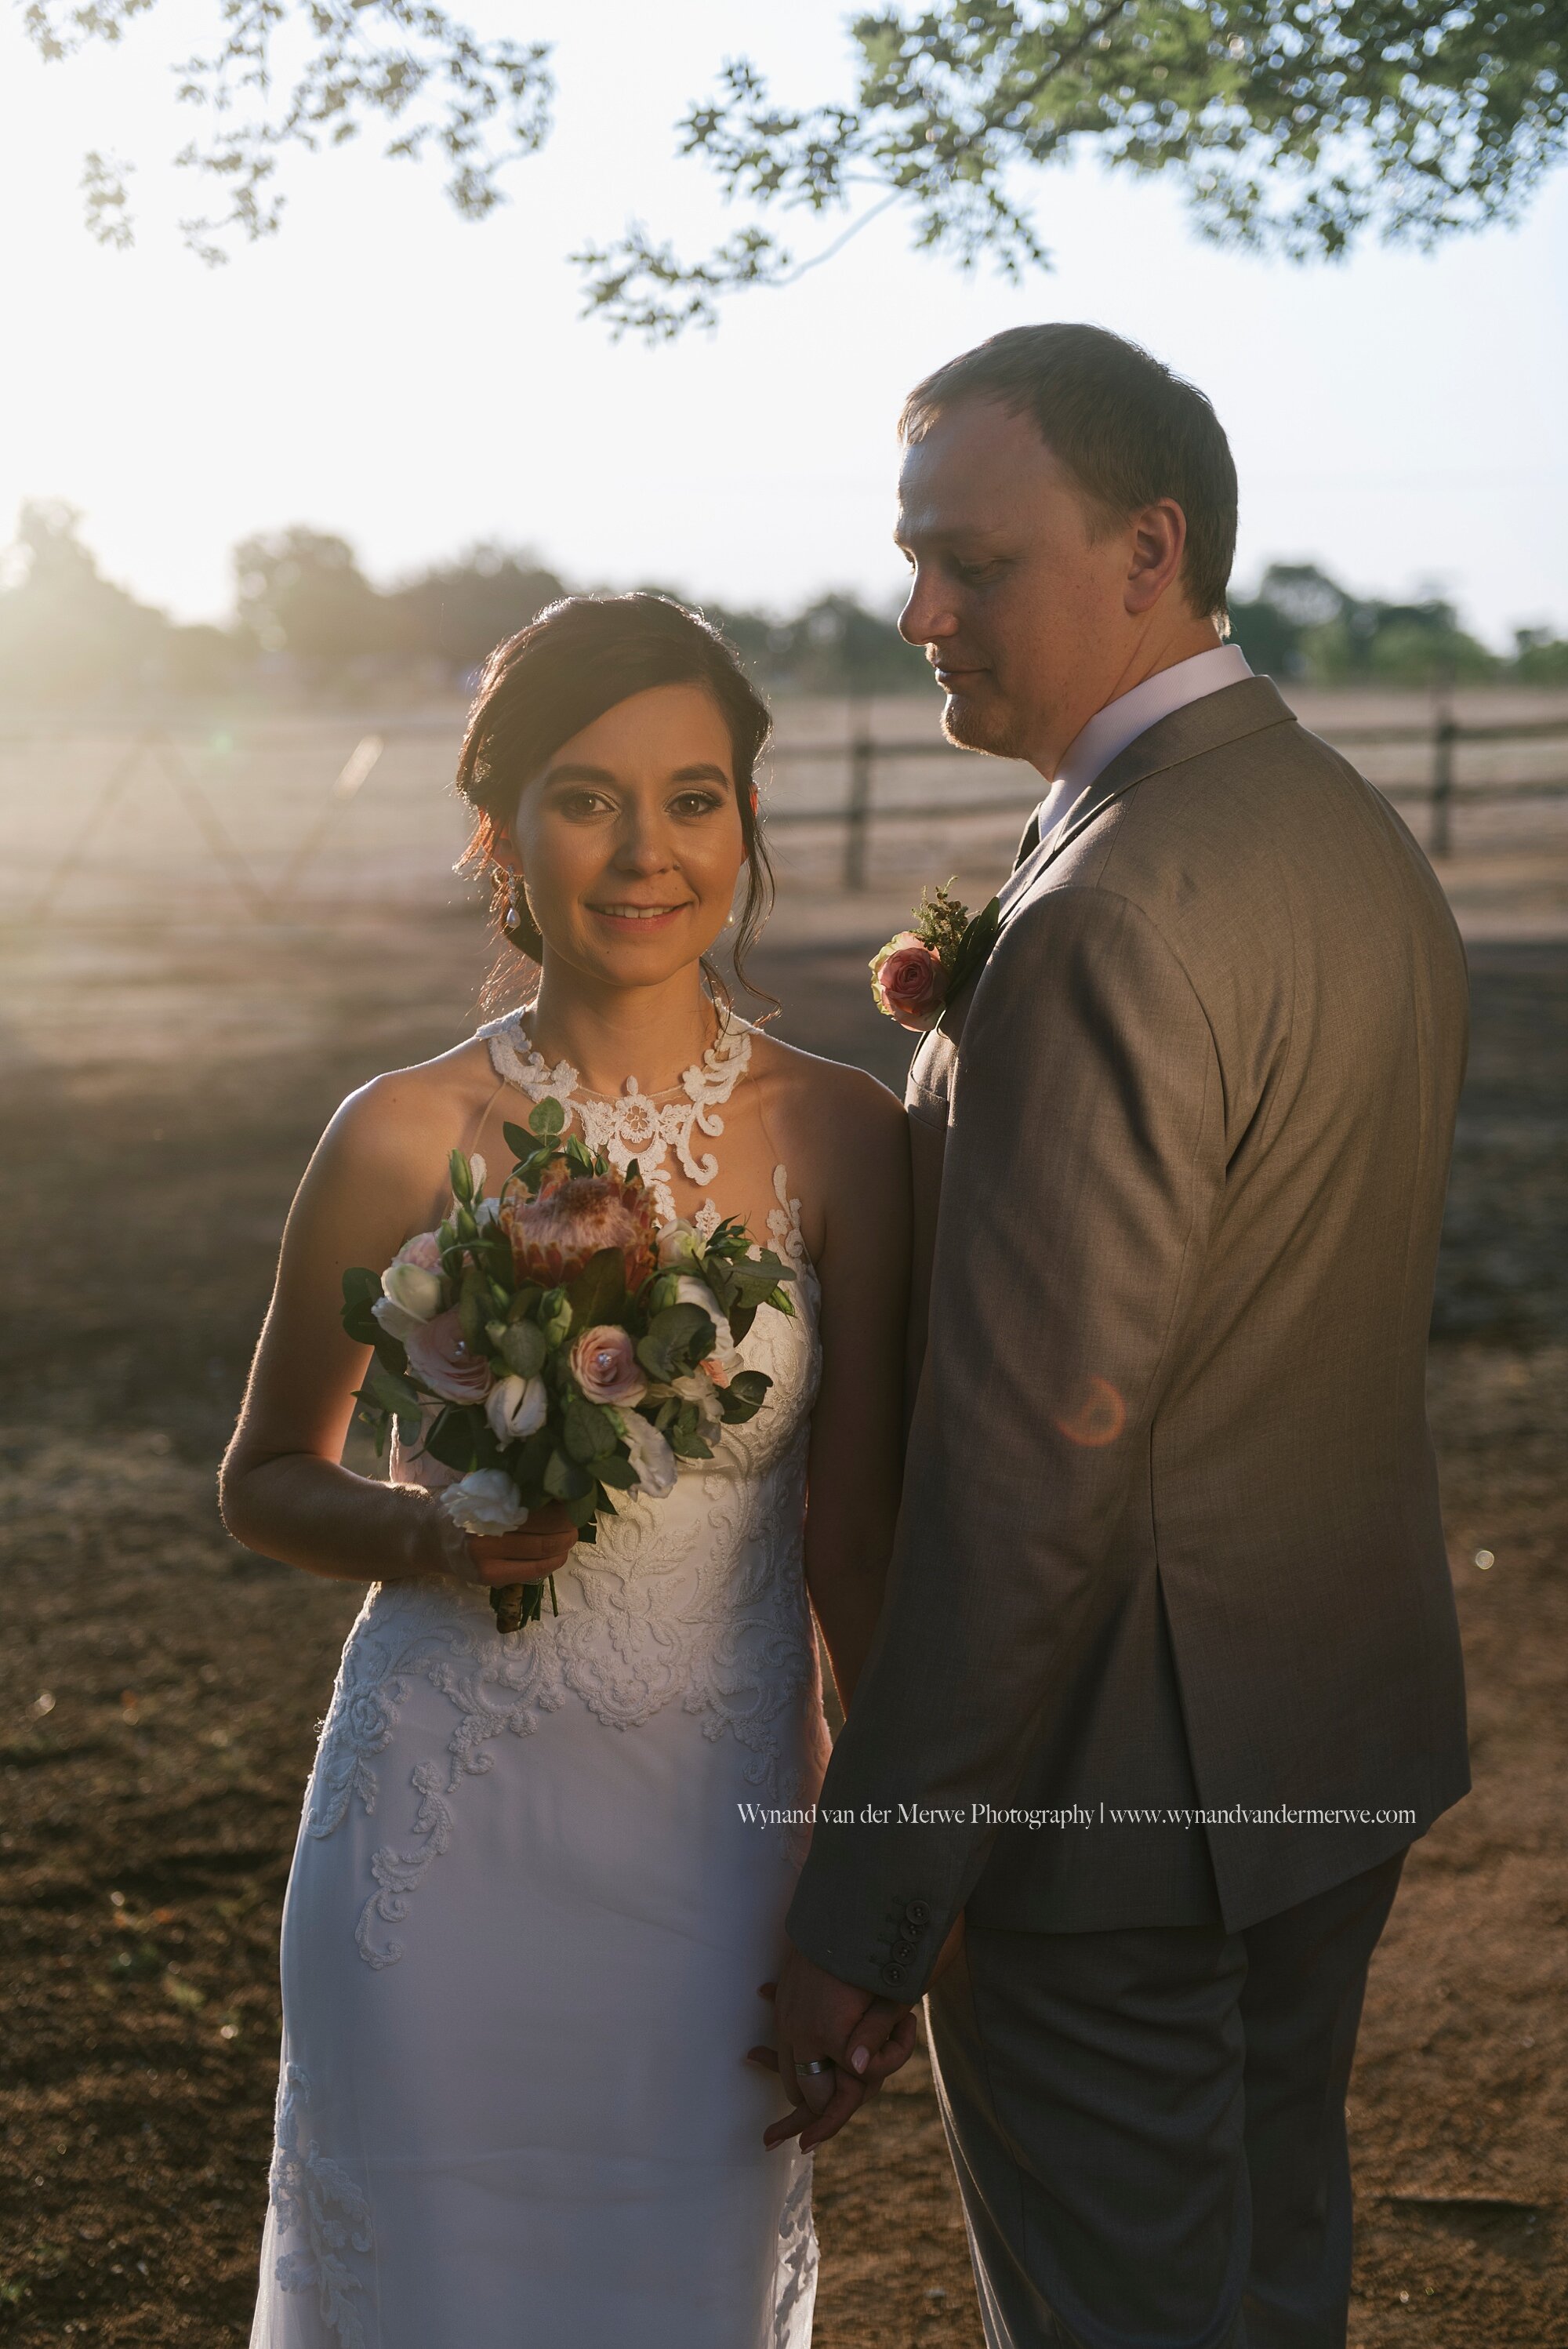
x: 630, y: 841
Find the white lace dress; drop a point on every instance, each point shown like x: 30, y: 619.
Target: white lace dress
x: 527, y: 1919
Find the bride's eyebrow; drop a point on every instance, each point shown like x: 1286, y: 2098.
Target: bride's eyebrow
x: 578, y: 774
x: 703, y: 772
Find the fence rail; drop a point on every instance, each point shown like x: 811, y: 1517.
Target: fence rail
x: 1441, y: 793
x: 77, y: 818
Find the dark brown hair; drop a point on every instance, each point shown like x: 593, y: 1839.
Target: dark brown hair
x: 1128, y: 430
x: 567, y: 668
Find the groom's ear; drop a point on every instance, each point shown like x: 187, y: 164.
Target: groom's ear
x: 1157, y: 547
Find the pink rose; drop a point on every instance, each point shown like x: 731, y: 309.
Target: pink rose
x: 605, y: 1364
x: 909, y: 982
x: 424, y: 1250
x: 440, y: 1358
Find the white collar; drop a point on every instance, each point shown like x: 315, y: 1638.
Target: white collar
x: 1108, y: 733
x: 1121, y: 721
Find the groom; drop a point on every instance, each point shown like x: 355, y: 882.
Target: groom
x: 1167, y: 1678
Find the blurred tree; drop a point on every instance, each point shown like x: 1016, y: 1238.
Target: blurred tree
x: 1540, y: 658
x: 64, y: 628
x: 459, y: 612
x: 301, y: 593
x: 1293, y: 124
x: 1304, y: 624
x: 835, y: 645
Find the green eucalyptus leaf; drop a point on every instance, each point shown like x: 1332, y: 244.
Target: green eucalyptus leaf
x: 564, y: 1480
x: 588, y: 1431
x: 548, y: 1118
x: 523, y: 1349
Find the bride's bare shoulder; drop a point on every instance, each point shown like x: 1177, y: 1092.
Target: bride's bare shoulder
x: 399, y: 1117
x: 818, y: 1100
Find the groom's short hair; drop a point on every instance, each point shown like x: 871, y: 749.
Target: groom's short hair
x: 1127, y: 428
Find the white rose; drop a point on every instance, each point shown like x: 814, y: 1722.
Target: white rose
x: 652, y: 1457
x: 486, y: 1501
x: 698, y: 1388
x: 679, y: 1243
x: 515, y: 1407
x: 413, y: 1287
x: 689, y: 1290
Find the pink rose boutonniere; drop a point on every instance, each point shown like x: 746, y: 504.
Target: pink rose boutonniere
x: 917, y: 974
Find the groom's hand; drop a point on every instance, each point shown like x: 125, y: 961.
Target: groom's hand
x: 819, y: 2018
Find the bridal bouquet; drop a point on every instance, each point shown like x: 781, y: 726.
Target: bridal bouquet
x: 557, y: 1344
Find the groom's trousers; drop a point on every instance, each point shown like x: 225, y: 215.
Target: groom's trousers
x: 1149, y: 2125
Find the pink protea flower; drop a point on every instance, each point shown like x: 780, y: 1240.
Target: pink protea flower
x: 604, y: 1365
x: 440, y: 1358
x: 909, y: 982
x: 553, y: 1236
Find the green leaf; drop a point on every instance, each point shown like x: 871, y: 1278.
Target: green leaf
x: 599, y: 1292
x: 450, y: 1439
x: 523, y: 1349
x: 361, y: 1287
x: 526, y: 1465
x: 394, y: 1394
x: 564, y: 1480
x: 974, y: 946
x: 588, y: 1431
x: 744, y: 1397
x: 520, y: 1144
x: 616, y: 1472
x: 677, y: 1340
x: 548, y: 1118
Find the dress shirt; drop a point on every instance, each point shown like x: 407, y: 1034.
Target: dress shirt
x: 1121, y: 721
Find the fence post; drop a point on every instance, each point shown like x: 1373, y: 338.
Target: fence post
x: 1445, y: 733
x: 858, y: 814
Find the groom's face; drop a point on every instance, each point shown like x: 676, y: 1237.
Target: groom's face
x: 1016, y: 585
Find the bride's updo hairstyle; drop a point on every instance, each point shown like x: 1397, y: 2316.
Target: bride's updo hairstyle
x: 578, y: 659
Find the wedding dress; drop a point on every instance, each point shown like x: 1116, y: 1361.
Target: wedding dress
x: 527, y: 1916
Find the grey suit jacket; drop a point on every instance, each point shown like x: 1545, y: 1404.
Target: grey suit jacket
x: 1169, y: 1540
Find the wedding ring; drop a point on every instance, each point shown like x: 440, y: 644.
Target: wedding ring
x: 814, y: 2069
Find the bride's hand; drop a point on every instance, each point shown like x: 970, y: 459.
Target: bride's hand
x: 531, y: 1554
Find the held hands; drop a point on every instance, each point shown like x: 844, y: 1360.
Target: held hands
x: 864, y: 2040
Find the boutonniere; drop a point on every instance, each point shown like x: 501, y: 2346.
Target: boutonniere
x: 917, y: 974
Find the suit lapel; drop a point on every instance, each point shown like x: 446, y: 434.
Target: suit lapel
x: 1250, y: 707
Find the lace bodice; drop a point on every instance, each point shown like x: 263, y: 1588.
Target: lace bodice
x: 634, y: 1124
x: 696, y: 1601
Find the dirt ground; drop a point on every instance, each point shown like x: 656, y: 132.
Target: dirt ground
x: 159, y: 1688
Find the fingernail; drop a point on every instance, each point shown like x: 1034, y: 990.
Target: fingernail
x: 860, y: 2059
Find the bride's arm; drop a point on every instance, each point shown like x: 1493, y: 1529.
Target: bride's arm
x: 856, y: 1457
x: 366, y: 1191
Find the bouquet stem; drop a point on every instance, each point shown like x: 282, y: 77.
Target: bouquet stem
x: 513, y: 1604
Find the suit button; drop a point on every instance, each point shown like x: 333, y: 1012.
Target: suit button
x: 904, y: 1949
x: 917, y: 1913
x: 892, y: 1973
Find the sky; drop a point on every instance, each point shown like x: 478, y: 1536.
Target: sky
x: 387, y: 371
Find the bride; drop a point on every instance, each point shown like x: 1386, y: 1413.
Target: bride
x: 527, y: 1920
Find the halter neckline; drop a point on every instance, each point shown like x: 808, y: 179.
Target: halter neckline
x: 634, y: 1124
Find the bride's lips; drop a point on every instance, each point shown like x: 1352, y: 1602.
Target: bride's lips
x: 632, y: 920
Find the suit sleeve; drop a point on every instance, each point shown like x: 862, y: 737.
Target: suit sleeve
x: 1085, y: 1157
